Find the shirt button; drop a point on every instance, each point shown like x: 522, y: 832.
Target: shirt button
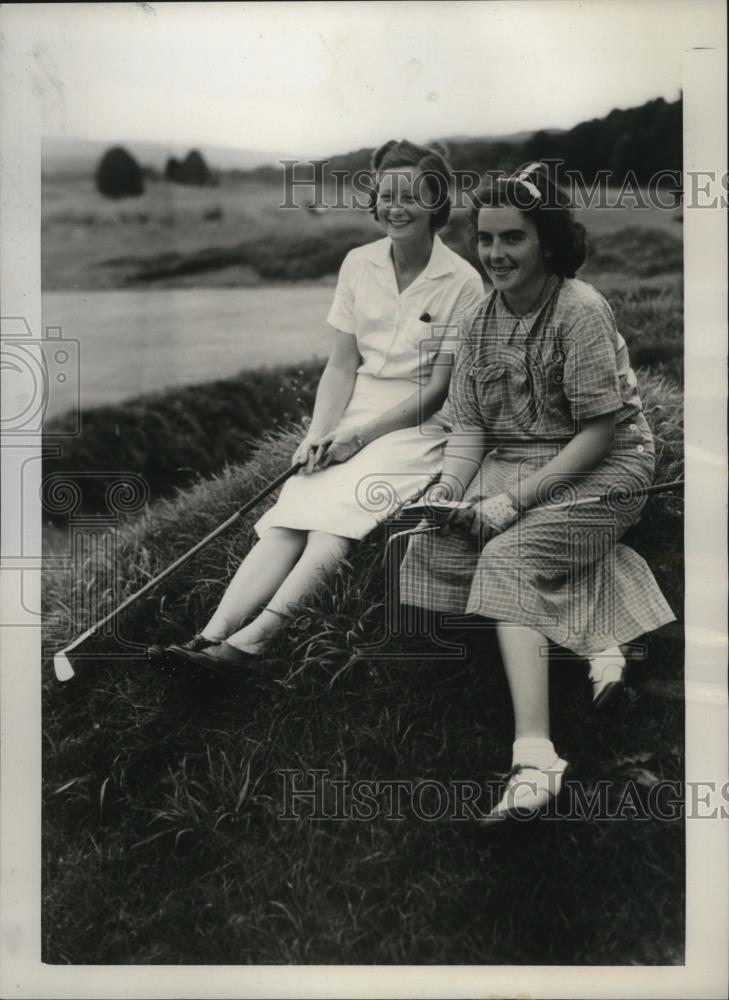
x: 633, y: 427
x: 640, y: 448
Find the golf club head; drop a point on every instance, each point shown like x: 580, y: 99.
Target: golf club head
x: 62, y: 666
x: 403, y: 534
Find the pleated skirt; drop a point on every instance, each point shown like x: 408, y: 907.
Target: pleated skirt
x: 563, y: 573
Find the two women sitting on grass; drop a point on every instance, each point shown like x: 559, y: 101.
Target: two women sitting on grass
x: 544, y: 407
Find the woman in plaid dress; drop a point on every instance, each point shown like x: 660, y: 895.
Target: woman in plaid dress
x: 545, y: 408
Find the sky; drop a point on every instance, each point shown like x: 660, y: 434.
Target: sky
x: 319, y: 78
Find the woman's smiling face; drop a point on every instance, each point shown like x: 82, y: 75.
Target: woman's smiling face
x: 511, y: 254
x: 404, y: 204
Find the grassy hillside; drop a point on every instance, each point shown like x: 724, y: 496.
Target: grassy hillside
x: 173, y: 438
x: 163, y: 841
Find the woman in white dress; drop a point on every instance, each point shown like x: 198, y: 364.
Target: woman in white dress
x: 376, y: 436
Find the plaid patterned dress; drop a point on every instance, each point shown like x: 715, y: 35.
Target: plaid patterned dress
x: 528, y: 381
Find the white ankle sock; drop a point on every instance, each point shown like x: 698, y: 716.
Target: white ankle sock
x: 534, y: 750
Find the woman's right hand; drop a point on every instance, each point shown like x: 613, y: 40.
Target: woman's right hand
x: 309, y: 452
x: 301, y: 455
x: 459, y: 519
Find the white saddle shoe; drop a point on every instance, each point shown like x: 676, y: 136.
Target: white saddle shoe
x: 607, y: 673
x: 528, y: 791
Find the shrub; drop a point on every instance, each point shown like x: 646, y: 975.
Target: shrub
x: 192, y: 170
x: 172, y: 169
x: 118, y: 175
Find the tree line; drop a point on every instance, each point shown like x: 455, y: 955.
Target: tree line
x: 635, y: 142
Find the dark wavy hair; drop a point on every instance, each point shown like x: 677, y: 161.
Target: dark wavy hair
x: 431, y: 161
x: 533, y: 193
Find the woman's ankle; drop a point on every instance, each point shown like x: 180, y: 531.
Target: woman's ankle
x: 254, y: 636
x: 536, y: 750
x: 246, y: 647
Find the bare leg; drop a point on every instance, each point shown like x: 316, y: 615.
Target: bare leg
x: 258, y: 577
x: 321, y: 556
x: 528, y: 676
x: 537, y: 769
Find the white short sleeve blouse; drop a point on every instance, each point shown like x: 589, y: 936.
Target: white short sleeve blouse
x: 399, y: 334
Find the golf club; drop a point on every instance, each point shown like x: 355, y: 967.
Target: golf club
x: 425, y: 508
x: 61, y: 663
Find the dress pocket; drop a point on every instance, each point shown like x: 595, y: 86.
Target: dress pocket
x: 487, y: 373
x: 419, y: 337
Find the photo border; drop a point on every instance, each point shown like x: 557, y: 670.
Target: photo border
x: 27, y: 110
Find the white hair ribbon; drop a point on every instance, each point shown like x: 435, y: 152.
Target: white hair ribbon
x: 523, y: 178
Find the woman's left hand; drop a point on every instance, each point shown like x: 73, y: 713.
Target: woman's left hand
x: 497, y: 513
x: 338, y: 446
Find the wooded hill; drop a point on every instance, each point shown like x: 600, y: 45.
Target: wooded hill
x: 644, y: 141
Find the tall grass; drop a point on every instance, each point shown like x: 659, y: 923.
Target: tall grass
x: 651, y: 320
x: 163, y: 841
x: 174, y: 437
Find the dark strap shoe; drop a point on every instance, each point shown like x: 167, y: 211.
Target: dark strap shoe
x: 195, y: 645
x: 219, y: 660
x: 164, y: 659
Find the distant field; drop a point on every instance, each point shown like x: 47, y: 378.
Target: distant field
x: 223, y: 236
x: 81, y: 231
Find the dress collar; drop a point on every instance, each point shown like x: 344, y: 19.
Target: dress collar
x: 551, y: 285
x: 440, y: 262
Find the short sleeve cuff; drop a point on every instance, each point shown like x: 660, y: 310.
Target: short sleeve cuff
x: 596, y: 406
x: 340, y: 320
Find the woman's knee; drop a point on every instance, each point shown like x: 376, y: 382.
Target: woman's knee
x: 290, y: 537
x: 328, y: 544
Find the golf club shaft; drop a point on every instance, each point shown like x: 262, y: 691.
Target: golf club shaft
x: 273, y: 485
x: 616, y: 495
x: 582, y: 502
